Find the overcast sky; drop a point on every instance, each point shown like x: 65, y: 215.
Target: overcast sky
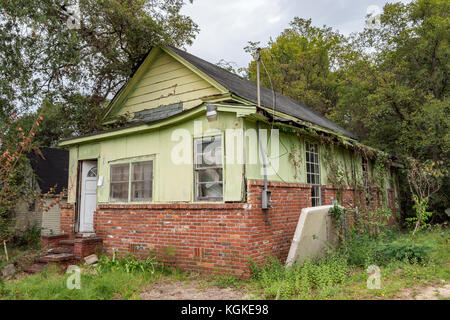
x: 227, y: 25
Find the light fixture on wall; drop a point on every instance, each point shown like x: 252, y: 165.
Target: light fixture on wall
x: 211, y: 112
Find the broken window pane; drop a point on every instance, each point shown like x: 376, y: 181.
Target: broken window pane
x: 208, y: 168
x: 208, y: 152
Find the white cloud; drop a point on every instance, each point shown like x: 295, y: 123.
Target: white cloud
x: 227, y: 26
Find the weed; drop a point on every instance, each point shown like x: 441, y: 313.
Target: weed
x: 129, y: 264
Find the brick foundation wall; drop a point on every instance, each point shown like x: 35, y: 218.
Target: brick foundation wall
x: 83, y: 247
x: 68, y: 219
x: 202, y: 237
x: 214, y: 238
x: 350, y: 198
x: 219, y: 238
x: 52, y: 240
x: 271, y: 231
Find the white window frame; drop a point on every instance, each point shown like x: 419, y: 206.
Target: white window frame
x: 130, y: 176
x: 315, y: 187
x: 197, y: 169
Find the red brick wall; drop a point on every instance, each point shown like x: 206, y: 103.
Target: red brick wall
x: 351, y: 199
x: 84, y: 247
x: 271, y: 231
x: 52, y: 240
x: 209, y: 237
x: 68, y: 219
x: 193, y: 236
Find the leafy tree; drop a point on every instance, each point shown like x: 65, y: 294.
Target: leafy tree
x: 301, y: 62
x: 399, y: 91
x: 15, y: 144
x: 43, y: 57
x: 388, y: 85
x: 396, y: 95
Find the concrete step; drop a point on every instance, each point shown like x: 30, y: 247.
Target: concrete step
x: 65, y: 249
x: 58, y: 257
x: 66, y: 242
x: 34, y: 268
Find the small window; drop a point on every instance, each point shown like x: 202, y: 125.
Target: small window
x: 92, y: 173
x: 313, y: 172
x: 208, y: 169
x: 365, y: 172
x: 142, y: 181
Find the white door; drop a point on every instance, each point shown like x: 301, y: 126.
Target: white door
x: 88, y: 195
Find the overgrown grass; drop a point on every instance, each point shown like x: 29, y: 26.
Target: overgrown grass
x: 301, y: 281
x: 51, y: 285
x: 342, y: 274
x: 110, y: 279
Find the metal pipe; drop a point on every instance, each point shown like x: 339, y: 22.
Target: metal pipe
x: 263, y: 155
x: 258, y: 90
x: 265, y: 193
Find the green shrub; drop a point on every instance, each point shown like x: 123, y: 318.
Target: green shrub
x: 29, y: 238
x: 301, y: 281
x: 402, y: 250
x: 129, y: 264
x: 365, y: 249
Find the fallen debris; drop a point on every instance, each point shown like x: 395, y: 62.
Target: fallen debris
x: 8, y: 271
x: 91, y: 259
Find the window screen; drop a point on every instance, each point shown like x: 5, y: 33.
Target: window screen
x: 208, y: 169
x: 313, y: 172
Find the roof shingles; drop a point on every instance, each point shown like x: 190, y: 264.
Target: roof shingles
x: 247, y: 90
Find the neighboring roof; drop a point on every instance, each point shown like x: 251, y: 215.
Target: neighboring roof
x: 247, y: 90
x: 51, y: 171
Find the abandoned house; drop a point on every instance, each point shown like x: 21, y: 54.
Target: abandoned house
x: 202, y: 175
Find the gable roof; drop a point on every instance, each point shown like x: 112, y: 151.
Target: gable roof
x: 246, y: 89
x: 225, y: 80
x: 51, y: 171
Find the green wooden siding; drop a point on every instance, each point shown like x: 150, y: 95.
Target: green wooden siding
x: 167, y: 82
x: 172, y: 182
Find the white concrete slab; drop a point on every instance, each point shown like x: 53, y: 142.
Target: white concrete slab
x: 315, y: 231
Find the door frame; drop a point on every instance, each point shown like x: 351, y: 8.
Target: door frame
x: 79, y: 191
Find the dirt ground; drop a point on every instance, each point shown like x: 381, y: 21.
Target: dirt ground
x: 169, y: 289
x: 434, y: 292
x: 189, y: 290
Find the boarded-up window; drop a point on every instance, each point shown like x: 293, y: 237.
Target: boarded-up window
x: 313, y: 172
x: 142, y: 180
x: 208, y: 169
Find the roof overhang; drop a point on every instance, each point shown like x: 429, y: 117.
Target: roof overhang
x: 139, y: 127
